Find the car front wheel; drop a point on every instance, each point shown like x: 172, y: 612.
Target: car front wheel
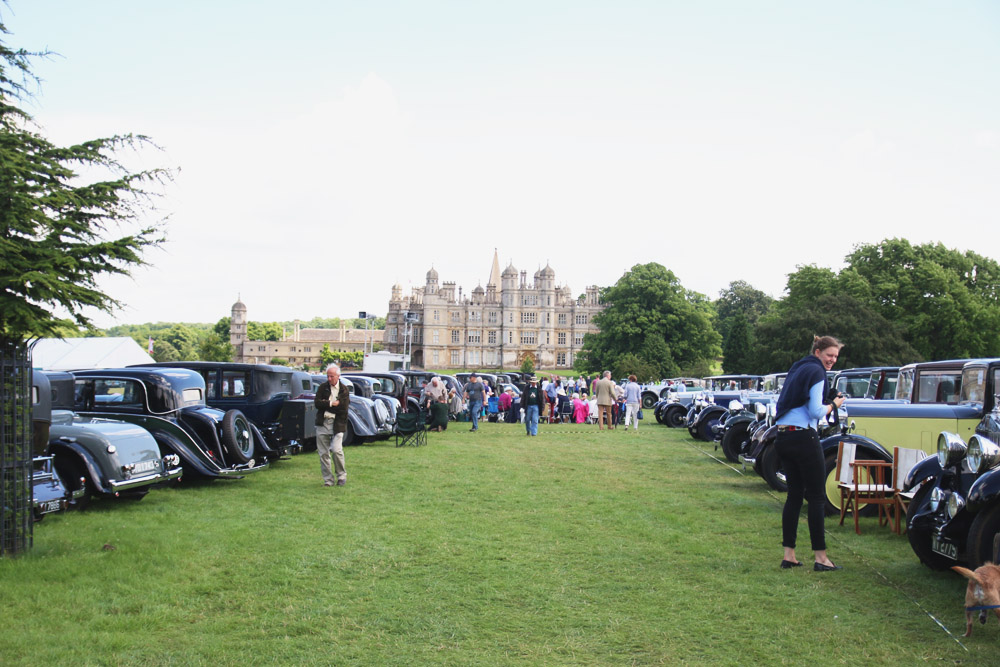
x: 982, y: 535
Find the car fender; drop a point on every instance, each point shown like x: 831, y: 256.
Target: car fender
x: 985, y: 490
x: 190, y: 460
x: 58, y: 448
x: 708, y: 412
x: 360, y: 422
x: 866, y: 446
x: 739, y: 419
x: 260, y: 442
x: 928, y: 468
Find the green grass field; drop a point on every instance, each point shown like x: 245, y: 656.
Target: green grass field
x: 575, y: 547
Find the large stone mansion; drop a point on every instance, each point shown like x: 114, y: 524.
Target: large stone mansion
x: 498, y: 327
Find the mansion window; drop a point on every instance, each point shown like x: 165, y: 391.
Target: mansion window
x: 434, y: 356
x: 493, y: 317
x: 456, y: 316
x: 562, y: 318
x: 510, y: 336
x: 491, y: 337
x: 561, y: 338
x: 437, y: 316
x: 578, y: 340
x: 434, y: 337
x: 475, y: 316
x: 474, y: 337
x: 561, y: 359
x: 455, y: 336
x: 527, y: 338
x: 529, y: 318
x: 581, y: 319
x: 392, y: 335
x: 456, y: 359
x: 473, y: 358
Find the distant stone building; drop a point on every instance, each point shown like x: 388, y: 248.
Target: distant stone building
x: 498, y: 327
x: 301, y: 347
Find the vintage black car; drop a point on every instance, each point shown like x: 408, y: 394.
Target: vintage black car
x: 49, y: 492
x: 954, y: 516
x: 267, y: 395
x: 392, y: 384
x: 385, y: 408
x: 170, y: 404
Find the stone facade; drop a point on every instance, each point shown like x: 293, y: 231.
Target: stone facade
x: 300, y: 347
x: 493, y: 328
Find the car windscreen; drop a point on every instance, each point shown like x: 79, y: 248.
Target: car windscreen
x: 974, y: 384
x: 938, y: 387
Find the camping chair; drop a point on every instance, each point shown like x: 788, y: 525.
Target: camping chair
x: 903, y: 460
x: 410, y: 429
x: 566, y: 411
x: 862, y: 481
x: 492, y: 409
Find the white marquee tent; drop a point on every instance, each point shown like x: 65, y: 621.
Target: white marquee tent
x: 68, y: 354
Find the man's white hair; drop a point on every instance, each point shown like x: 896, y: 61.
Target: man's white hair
x: 332, y: 366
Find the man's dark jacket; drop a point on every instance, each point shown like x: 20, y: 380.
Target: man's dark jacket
x: 322, y: 403
x: 533, y: 395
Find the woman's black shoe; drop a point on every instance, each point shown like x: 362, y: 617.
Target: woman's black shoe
x: 819, y: 567
x: 789, y: 564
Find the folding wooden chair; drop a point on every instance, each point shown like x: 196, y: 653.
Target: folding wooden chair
x: 862, y: 482
x: 903, y: 460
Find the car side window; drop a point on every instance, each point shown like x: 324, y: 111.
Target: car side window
x: 234, y: 383
x: 110, y: 392
x: 210, y: 382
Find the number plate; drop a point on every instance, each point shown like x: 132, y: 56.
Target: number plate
x: 50, y: 506
x: 943, y: 548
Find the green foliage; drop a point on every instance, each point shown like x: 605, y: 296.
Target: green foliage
x: 650, y: 315
x: 869, y: 339
x: 528, y: 365
x: 222, y: 327
x: 214, y: 347
x: 59, y: 228
x: 340, y: 357
x: 270, y: 331
x: 278, y: 361
x: 737, y: 350
x: 740, y: 298
x: 628, y: 364
x: 947, y: 302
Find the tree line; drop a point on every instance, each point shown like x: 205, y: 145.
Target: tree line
x: 893, y: 303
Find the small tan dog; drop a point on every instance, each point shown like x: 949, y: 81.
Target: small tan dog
x: 983, y: 591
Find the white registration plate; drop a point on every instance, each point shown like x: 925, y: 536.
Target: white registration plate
x: 943, y: 548
x: 50, y: 506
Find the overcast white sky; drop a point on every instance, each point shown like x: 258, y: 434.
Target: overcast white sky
x: 329, y: 149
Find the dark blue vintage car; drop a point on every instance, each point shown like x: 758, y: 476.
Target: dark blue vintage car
x: 170, y: 404
x: 954, y: 516
x: 267, y: 395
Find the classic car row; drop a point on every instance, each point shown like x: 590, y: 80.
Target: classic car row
x: 116, y: 432
x: 950, y: 410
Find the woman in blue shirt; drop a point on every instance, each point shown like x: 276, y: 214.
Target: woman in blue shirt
x: 800, y: 406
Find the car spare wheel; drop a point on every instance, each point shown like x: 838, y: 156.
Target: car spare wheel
x: 237, y: 437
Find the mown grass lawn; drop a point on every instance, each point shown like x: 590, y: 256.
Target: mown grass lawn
x: 575, y: 547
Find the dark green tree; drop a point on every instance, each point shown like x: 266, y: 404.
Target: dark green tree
x: 947, y: 302
x: 214, y: 347
x: 68, y: 217
x: 738, y: 348
x: 264, y: 331
x: 648, y: 313
x: 222, y: 327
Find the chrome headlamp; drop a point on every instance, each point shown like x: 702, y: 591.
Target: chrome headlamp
x: 955, y: 505
x: 937, y: 497
x: 983, y: 454
x: 842, y: 416
x: 950, y: 449
x: 735, y: 406
x: 760, y: 410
